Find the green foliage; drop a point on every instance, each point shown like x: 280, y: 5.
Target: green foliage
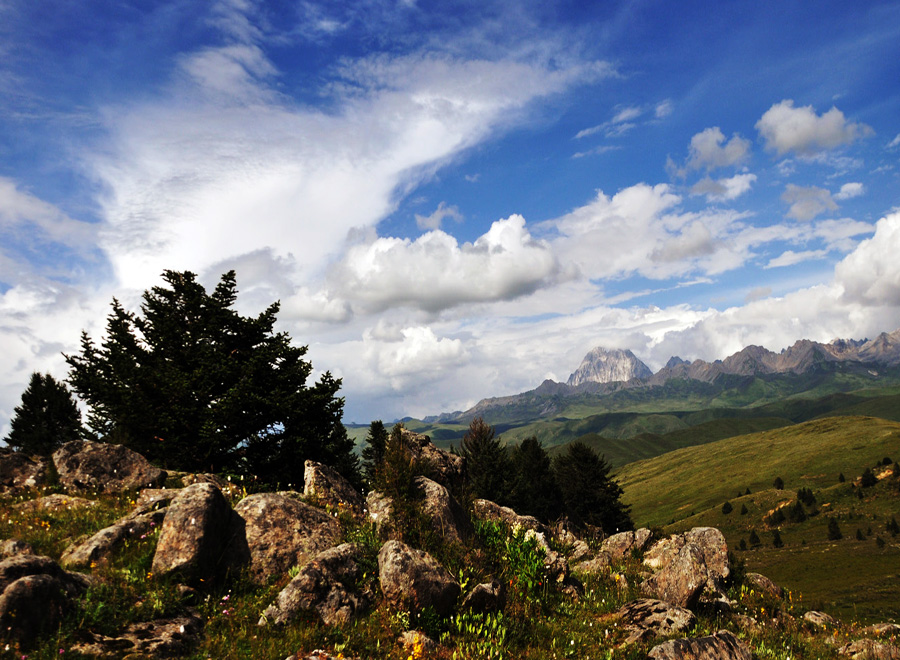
x: 487, y: 463
x: 806, y: 496
x: 47, y: 418
x: 373, y: 452
x: 480, y: 636
x: 754, y: 538
x: 534, y: 490
x: 193, y: 385
x: 590, y: 495
x: 796, y: 512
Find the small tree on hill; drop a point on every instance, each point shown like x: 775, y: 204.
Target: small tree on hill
x: 754, y: 538
x: 534, y: 491
x: 47, y: 418
x: 590, y: 496
x: 727, y: 507
x: 868, y: 478
x: 834, y: 532
x: 487, y: 463
x: 373, y: 452
x: 778, y: 484
x: 744, y: 510
x: 776, y: 539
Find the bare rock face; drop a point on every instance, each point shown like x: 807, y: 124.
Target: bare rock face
x: 449, y: 469
x: 324, y: 586
x: 883, y: 629
x: 380, y: 508
x: 869, y: 649
x: 194, y: 533
x: 764, y: 584
x: 448, y: 518
x: 601, y: 365
x: 103, y: 467
x: 413, y: 579
x: 19, y: 473
x: 686, y: 564
x: 280, y: 532
x: 619, y: 546
x: 331, y: 489
x: 682, y: 580
x: 161, y: 638
x: 486, y: 598
x: 487, y: 510
x: 101, y: 546
x: 721, y: 646
x: 646, y: 618
x: 35, y: 594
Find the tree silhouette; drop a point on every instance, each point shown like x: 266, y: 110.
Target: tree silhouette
x: 47, y: 418
x: 590, y: 496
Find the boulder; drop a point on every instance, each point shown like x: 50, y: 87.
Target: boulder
x: 413, y: 580
x: 708, y: 540
x: 330, y: 489
x: 101, y: 546
x: 448, y: 519
x: 599, y: 564
x: 325, y: 587
x: 380, y: 508
x: 447, y: 469
x: 487, y: 510
x: 193, y: 536
x: 162, y: 638
x: 580, y: 552
x: 104, y: 467
x: 280, y: 532
x: 763, y: 584
x: 151, y: 499
x: 417, y: 644
x: 681, y: 580
x: 883, y: 629
x: 13, y: 547
x: 225, y: 485
x: 556, y: 568
x: 54, y: 504
x: 485, y: 598
x: 619, y: 546
x: 646, y: 618
x: 820, y: 620
x: 869, y: 649
x: 19, y: 473
x: 721, y: 646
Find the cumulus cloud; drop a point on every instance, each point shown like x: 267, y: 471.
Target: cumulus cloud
x: 435, y: 220
x: 710, y: 150
x: 416, y: 353
x: 724, y: 189
x: 871, y: 273
x: 785, y: 129
x: 850, y: 190
x: 435, y: 272
x: 807, y: 203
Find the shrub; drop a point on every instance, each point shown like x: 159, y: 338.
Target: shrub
x: 727, y: 508
x: 778, y: 484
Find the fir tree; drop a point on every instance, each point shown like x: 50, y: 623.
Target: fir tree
x: 590, y: 496
x: 47, y: 418
x: 487, y: 463
x: 727, y: 508
x: 834, y: 532
x: 778, y: 484
x: 868, y: 478
x: 373, y: 452
x: 534, y: 491
x: 753, y: 539
x: 776, y: 539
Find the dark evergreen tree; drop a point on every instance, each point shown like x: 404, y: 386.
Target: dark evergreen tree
x: 193, y: 385
x: 373, y: 452
x: 47, y: 418
x: 744, y: 509
x: 742, y: 545
x: 796, y: 512
x: 590, y: 496
x: 487, y: 463
x: 776, y: 539
x: 727, y: 508
x: 754, y: 538
x: 893, y: 527
x: 533, y: 490
x: 841, y: 478
x: 868, y: 478
x: 859, y: 535
x: 806, y: 496
x: 778, y: 484
x: 834, y: 532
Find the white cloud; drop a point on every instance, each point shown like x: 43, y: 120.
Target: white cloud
x: 790, y: 258
x: 724, y: 189
x: 417, y: 354
x: 800, y: 130
x: 895, y: 142
x: 807, y: 203
x: 709, y: 150
x: 850, y: 190
x: 871, y: 273
x: 434, y: 220
x: 663, y: 109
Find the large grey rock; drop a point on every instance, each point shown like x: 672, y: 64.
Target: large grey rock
x: 326, y: 587
x: 681, y: 580
x: 883, y: 629
x: 485, y: 598
x: 556, y: 568
x: 19, y: 472
x: 380, y: 508
x: 487, y: 510
x: 763, y: 584
x: 330, y: 489
x: 448, y: 519
x: 599, y: 564
x: 161, y: 638
x: 280, y: 532
x: 646, y: 618
x: 413, y: 580
x: 686, y: 564
x: 194, y: 534
x: 721, y: 646
x: 820, y: 620
x: 619, y: 546
x: 869, y: 649
x: 709, y: 541
x: 447, y: 469
x: 104, y: 467
x: 101, y: 546
x: 13, y: 547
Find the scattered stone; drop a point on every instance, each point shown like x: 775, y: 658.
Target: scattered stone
x: 162, y: 638
x: 19, y: 473
x: 598, y: 565
x: 485, y: 598
x: 883, y: 629
x: 681, y: 580
x: 417, y: 643
x: 193, y: 536
x: 279, y: 532
x: 869, y: 649
x: 226, y: 486
x: 104, y: 544
x: 414, y: 580
x: 820, y: 620
x: 721, y: 646
x: 324, y: 586
x: 54, y: 504
x: 448, y: 518
x: 330, y: 489
x: 646, y: 618
x: 448, y: 469
x: 487, y: 510
x: 764, y: 584
x: 104, y: 467
x: 13, y: 547
x: 619, y: 546
x: 319, y: 654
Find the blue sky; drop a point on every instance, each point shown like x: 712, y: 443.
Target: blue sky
x: 453, y: 200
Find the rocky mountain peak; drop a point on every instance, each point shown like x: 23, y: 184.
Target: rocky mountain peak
x: 603, y: 365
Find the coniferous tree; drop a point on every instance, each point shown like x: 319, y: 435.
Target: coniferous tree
x: 744, y: 509
x: 47, y: 418
x: 727, y: 507
x: 590, y: 496
x: 834, y: 532
x: 487, y: 463
x: 778, y: 484
x: 776, y: 539
x: 373, y: 452
x: 193, y: 385
x: 754, y: 538
x: 868, y: 478
x: 533, y: 490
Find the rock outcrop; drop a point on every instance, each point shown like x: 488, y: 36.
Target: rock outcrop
x: 686, y: 564
x: 413, y: 580
x: 619, y: 546
x: 602, y: 365
x: 104, y: 468
x: 161, y: 638
x: 101, y: 546
x: 328, y: 488
x: 721, y: 646
x: 485, y: 598
x: 487, y: 510
x: 448, y: 519
x: 446, y: 468
x: 646, y: 618
x: 19, y: 473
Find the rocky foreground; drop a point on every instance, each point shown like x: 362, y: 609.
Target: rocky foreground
x: 203, y: 542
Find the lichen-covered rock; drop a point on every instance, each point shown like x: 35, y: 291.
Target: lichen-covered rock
x: 153, y: 499
x: 645, y: 618
x: 325, y: 586
x: 413, y: 580
x: 721, y: 646
x: 869, y: 649
x: 13, y: 547
x: 101, y: 546
x: 681, y: 580
x: 161, y: 638
x: 556, y: 568
x: 417, y: 644
x: 54, y: 504
x: 686, y: 564
x: 448, y: 519
x: 280, y: 532
x: 194, y: 534
x: 710, y: 542
x: 763, y: 584
x: 104, y: 467
x: 619, y: 546
x: 485, y: 598
x: 601, y: 563
x: 883, y: 629
x: 487, y: 510
x: 330, y: 489
x: 447, y: 469
x: 19, y: 472
x: 820, y: 620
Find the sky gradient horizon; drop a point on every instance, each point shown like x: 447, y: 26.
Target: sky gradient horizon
x: 453, y: 200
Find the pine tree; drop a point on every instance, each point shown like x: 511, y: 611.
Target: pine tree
x: 47, y: 418
x: 744, y: 509
x: 534, y: 491
x: 834, y: 532
x: 373, y: 452
x: 590, y: 496
x: 868, y: 478
x: 778, y: 484
x: 776, y: 539
x: 754, y: 538
x: 727, y: 507
x: 487, y: 463
x: 193, y: 385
